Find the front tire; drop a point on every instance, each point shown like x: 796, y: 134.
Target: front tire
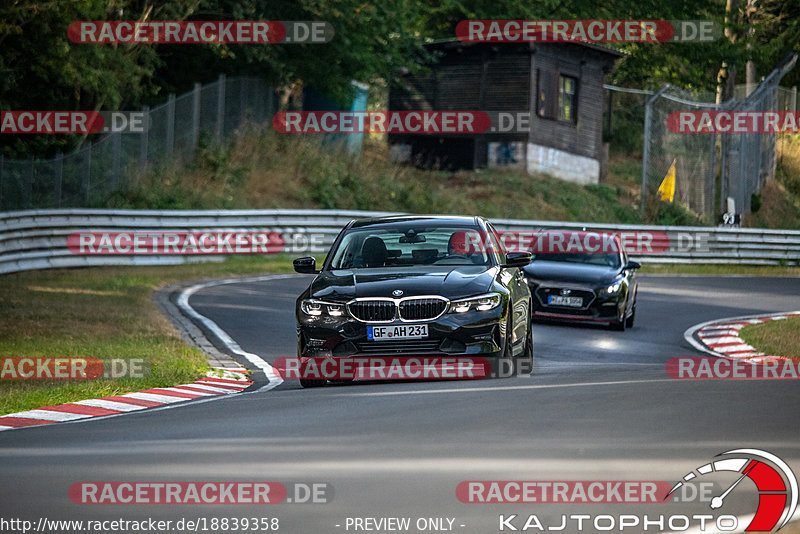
x: 629, y: 320
x: 620, y: 323
x: 312, y: 382
x: 505, y: 365
x: 524, y: 363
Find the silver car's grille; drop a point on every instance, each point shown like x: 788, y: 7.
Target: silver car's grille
x: 373, y: 310
x: 422, y: 309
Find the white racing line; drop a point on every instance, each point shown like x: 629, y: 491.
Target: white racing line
x: 222, y: 335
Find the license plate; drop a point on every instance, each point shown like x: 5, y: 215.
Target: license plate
x: 405, y: 331
x: 558, y: 300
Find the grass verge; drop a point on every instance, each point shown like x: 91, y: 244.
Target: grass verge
x: 102, y: 312
x: 775, y: 338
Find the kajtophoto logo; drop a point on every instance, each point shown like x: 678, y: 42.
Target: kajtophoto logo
x: 711, y: 484
x: 774, y: 480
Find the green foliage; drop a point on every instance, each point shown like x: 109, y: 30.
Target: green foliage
x: 373, y: 43
x: 674, y: 214
x: 43, y: 69
x: 755, y: 202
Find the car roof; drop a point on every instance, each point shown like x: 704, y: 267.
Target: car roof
x: 405, y: 219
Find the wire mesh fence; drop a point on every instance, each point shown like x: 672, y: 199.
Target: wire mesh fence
x: 711, y: 168
x: 174, y: 130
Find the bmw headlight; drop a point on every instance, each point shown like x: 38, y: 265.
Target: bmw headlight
x: 316, y: 308
x: 479, y: 303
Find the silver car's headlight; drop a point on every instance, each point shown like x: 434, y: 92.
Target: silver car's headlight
x: 480, y: 303
x: 316, y: 308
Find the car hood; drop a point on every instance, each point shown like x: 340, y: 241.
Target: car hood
x: 579, y: 273
x: 448, y: 281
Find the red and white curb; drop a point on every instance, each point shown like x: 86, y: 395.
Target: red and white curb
x: 721, y: 337
x: 217, y: 382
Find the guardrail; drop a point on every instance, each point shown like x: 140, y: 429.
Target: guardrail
x: 37, y: 239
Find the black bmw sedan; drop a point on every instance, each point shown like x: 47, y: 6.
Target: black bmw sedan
x: 582, y: 276
x: 407, y: 286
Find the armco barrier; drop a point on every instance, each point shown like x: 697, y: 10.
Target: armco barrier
x: 37, y: 239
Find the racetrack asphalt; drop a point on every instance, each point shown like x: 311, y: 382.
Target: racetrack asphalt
x: 598, y: 406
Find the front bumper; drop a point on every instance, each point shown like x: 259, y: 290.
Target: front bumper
x: 472, y: 333
x: 595, y: 307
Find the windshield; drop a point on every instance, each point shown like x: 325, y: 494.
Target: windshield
x: 370, y: 248
x: 607, y: 259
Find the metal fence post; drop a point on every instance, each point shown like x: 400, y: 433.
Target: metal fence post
x: 143, y: 139
x: 170, y: 123
x: 271, y: 108
x: 2, y: 164
x: 29, y: 183
x: 59, y: 162
x: 195, y: 116
x: 646, y: 148
x: 712, y: 178
x: 115, y: 150
x: 87, y: 173
x: 243, y: 86
x: 220, y: 106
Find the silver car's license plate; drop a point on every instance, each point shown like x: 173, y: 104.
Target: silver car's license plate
x: 401, y: 331
x: 557, y: 300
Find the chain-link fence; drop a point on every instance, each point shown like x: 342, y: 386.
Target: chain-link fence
x: 694, y: 155
x: 174, y: 130
x: 710, y: 168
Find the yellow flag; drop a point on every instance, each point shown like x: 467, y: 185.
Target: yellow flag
x: 666, y: 191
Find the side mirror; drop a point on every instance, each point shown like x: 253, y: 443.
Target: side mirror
x: 633, y: 265
x: 305, y: 265
x: 518, y: 259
